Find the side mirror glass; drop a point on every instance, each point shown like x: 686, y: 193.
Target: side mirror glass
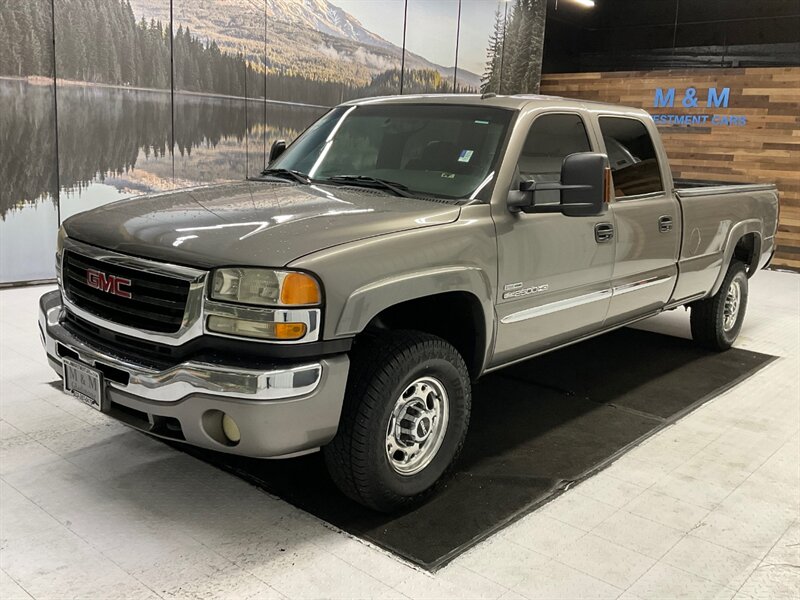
x: 277, y: 148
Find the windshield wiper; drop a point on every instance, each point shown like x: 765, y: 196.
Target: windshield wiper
x: 287, y: 174
x: 373, y: 182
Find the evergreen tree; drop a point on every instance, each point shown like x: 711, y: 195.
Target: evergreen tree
x: 514, y: 54
x: 490, y: 82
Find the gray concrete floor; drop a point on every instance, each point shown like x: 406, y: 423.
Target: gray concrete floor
x: 707, y: 508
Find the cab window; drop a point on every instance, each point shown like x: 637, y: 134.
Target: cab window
x: 631, y: 156
x: 550, y: 140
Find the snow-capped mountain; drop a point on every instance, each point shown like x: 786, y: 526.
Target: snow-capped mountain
x: 314, y: 37
x: 324, y: 17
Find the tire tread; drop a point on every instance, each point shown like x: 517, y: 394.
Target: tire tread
x: 376, y: 360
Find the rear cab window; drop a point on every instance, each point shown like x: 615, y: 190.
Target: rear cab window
x: 632, y: 157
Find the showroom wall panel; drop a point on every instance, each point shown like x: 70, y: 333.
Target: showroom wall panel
x: 655, y: 34
x: 114, y: 109
x: 434, y: 37
x: 157, y: 94
x: 28, y: 168
x: 210, y: 72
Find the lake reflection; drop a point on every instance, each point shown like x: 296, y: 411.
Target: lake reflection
x: 112, y: 144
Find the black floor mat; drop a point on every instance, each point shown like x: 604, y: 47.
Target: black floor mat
x: 535, y: 427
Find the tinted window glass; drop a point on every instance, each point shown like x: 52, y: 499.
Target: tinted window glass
x: 437, y: 150
x: 632, y: 157
x: 550, y: 139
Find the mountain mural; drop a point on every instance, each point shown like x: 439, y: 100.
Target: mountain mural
x: 313, y: 39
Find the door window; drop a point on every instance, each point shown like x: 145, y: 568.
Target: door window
x: 550, y: 140
x: 631, y: 156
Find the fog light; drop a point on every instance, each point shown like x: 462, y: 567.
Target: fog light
x: 230, y: 429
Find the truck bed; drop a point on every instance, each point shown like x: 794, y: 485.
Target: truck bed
x: 715, y: 215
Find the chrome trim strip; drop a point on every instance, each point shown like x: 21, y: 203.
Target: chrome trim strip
x: 546, y: 309
x: 133, y: 262
x: 175, y: 383
x: 640, y: 285
x: 551, y: 307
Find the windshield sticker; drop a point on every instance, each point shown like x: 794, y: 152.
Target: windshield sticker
x: 465, y: 155
x: 481, y: 122
x: 449, y: 175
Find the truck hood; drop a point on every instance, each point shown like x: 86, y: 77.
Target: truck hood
x: 250, y: 223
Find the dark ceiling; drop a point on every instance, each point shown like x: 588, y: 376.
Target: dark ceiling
x: 619, y: 35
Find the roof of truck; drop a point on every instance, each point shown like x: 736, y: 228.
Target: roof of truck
x: 515, y: 102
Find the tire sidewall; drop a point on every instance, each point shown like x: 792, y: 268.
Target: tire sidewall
x: 458, y: 398
x: 729, y: 337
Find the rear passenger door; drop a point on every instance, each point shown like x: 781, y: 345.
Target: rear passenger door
x: 646, y: 217
x: 554, y: 271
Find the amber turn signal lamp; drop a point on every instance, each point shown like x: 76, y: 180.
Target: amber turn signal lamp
x: 607, y: 185
x: 289, y: 331
x: 299, y: 289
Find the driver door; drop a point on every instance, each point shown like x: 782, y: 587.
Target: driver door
x: 554, y: 271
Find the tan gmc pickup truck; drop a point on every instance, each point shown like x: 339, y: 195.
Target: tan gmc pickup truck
x: 396, y: 251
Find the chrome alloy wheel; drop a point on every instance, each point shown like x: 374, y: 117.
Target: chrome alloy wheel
x: 417, y: 426
x: 733, y: 300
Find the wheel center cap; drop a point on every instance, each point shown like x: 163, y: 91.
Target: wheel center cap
x: 422, y: 429
x: 415, y: 426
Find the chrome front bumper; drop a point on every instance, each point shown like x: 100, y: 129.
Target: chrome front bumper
x: 279, y: 411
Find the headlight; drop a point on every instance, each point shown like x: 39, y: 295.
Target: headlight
x: 265, y: 287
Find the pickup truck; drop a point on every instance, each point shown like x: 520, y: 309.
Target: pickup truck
x: 396, y: 251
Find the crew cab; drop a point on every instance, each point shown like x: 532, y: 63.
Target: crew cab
x: 396, y: 251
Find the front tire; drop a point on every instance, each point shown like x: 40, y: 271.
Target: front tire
x: 717, y: 321
x: 404, y: 420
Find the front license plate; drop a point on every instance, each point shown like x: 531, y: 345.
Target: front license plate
x: 85, y: 383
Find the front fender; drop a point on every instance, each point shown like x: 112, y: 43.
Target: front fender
x: 365, y: 277
x: 368, y: 301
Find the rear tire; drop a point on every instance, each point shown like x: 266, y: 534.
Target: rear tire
x: 717, y: 321
x: 404, y: 420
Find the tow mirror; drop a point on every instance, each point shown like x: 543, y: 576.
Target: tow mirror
x: 277, y: 148
x: 584, y: 187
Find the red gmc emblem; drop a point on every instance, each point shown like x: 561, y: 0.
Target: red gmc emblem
x: 110, y: 284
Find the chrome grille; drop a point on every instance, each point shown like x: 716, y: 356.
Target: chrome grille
x: 157, y: 302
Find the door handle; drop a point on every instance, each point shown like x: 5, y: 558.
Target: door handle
x: 603, y: 232
x: 665, y: 224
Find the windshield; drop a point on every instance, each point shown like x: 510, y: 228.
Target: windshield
x: 435, y: 150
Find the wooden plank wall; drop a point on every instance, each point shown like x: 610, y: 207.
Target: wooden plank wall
x: 766, y: 149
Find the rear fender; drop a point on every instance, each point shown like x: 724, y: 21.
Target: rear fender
x: 737, y: 232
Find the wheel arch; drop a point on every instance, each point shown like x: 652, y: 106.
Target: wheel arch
x: 453, y: 303
x: 744, y: 244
